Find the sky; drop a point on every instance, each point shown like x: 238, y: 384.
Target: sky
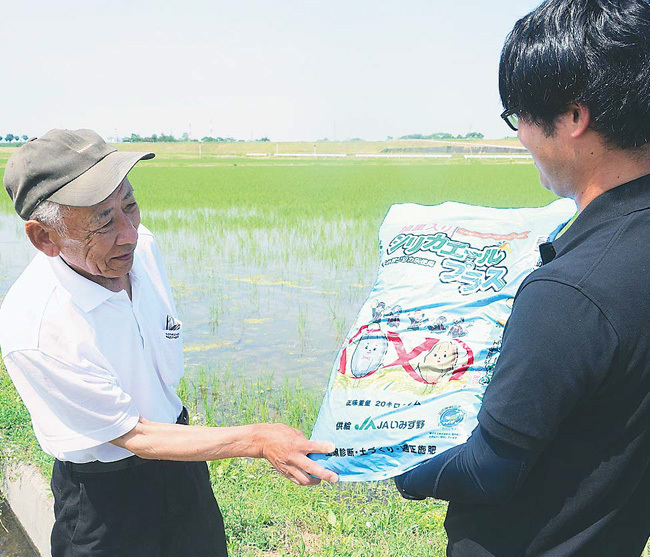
x: 289, y: 70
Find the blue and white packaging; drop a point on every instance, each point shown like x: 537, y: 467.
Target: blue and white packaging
x: 409, y: 379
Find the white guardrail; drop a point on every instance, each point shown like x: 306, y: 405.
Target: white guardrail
x: 498, y: 157
x: 389, y: 156
x: 309, y: 155
x: 401, y: 156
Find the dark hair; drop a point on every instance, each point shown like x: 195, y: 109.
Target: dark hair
x: 591, y: 52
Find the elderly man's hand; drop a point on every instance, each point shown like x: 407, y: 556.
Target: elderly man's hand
x: 287, y: 448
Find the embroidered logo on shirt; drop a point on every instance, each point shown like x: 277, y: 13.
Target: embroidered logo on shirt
x: 172, y: 328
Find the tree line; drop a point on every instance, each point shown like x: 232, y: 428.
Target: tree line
x: 164, y: 138
x: 169, y: 138
x: 11, y: 137
x: 443, y: 135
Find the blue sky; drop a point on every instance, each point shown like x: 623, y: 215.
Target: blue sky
x: 289, y: 70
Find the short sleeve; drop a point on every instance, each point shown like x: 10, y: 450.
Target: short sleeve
x: 558, y: 348
x: 73, y: 407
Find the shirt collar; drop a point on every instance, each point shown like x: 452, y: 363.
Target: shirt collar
x: 84, y: 293
x: 619, y: 201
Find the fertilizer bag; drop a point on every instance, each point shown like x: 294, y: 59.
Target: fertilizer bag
x: 408, y: 381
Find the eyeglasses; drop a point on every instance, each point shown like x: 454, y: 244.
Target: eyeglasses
x: 511, y: 117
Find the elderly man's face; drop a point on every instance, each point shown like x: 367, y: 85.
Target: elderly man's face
x: 101, y: 239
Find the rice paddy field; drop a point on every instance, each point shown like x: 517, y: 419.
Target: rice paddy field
x: 269, y: 258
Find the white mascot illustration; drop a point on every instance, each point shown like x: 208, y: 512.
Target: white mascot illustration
x: 369, y: 353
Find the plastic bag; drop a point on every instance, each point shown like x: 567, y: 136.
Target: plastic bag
x: 408, y: 381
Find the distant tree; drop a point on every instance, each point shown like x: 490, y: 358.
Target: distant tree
x: 436, y: 135
x: 134, y: 138
x: 208, y: 139
x: 185, y: 137
x: 441, y: 135
x: 355, y: 139
x: 324, y: 139
x: 10, y: 137
x: 25, y: 138
x: 474, y: 135
x: 166, y: 138
x: 264, y: 139
x: 389, y: 137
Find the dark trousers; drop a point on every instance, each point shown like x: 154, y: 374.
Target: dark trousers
x: 155, y: 509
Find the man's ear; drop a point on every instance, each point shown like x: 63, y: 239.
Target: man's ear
x: 580, y: 119
x: 42, y: 238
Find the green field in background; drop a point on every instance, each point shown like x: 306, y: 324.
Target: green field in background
x: 311, y: 188
x: 265, y: 515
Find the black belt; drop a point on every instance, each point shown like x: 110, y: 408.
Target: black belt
x: 96, y: 466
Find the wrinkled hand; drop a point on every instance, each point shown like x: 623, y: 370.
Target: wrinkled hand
x: 287, y: 448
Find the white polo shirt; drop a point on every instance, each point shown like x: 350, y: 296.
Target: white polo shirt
x: 89, y: 362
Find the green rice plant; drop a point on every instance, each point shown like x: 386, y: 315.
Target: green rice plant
x: 302, y: 323
x: 233, y: 230
x: 215, y: 310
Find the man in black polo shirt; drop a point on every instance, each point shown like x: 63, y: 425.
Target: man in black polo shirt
x: 559, y: 464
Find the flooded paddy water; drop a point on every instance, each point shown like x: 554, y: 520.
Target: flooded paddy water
x: 251, y: 302
x: 256, y: 302
x: 269, y: 263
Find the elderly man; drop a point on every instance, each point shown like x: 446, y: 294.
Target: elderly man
x: 91, y: 339
x: 559, y: 464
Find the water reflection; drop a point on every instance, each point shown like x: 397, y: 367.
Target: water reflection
x: 253, y: 299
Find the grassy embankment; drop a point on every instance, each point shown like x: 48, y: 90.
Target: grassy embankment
x: 264, y: 514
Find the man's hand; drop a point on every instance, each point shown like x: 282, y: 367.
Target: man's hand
x: 287, y: 448
x: 284, y: 447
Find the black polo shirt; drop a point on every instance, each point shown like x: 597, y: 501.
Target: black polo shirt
x: 572, y: 384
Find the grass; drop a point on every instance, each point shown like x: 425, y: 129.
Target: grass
x: 317, y: 212
x: 17, y: 439
x: 332, y: 191
x: 300, y: 215
x: 296, y: 216
x: 265, y: 515
x: 291, y: 216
